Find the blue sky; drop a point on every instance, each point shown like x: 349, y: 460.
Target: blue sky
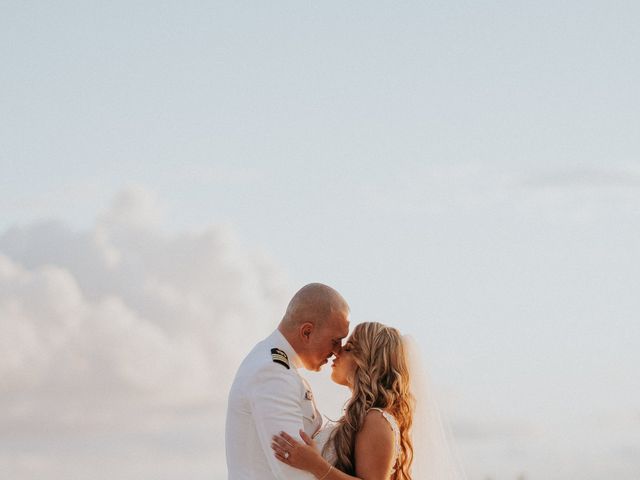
x: 467, y: 171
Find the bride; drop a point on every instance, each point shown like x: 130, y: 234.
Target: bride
x: 381, y: 433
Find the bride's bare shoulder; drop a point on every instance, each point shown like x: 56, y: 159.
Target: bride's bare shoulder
x: 374, y: 449
x: 376, y: 426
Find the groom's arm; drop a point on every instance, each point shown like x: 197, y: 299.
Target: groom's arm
x: 275, y: 406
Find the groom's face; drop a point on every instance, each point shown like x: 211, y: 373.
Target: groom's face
x: 325, y: 341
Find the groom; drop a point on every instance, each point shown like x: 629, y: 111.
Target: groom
x: 268, y: 394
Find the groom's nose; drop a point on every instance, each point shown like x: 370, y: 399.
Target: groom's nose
x: 337, y: 349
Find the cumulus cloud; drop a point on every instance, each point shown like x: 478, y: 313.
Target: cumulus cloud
x: 125, y: 312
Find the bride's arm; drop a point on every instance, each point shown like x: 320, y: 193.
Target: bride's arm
x: 374, y: 452
x: 375, y: 448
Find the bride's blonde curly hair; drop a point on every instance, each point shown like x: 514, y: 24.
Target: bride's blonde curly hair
x: 381, y: 380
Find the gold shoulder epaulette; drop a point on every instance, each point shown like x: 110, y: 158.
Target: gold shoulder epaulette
x: 280, y: 357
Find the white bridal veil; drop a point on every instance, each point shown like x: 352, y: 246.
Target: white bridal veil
x: 435, y: 455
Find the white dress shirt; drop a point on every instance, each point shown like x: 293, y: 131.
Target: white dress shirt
x: 268, y: 396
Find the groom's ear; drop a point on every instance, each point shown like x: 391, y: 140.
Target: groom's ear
x: 305, y: 331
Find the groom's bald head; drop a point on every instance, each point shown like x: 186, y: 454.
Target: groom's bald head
x: 314, y: 303
x: 316, y: 321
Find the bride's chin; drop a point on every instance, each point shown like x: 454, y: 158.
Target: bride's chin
x: 340, y: 381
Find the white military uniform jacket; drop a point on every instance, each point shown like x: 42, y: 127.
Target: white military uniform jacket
x: 268, y: 396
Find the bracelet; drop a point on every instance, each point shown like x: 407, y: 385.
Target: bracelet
x: 328, y: 472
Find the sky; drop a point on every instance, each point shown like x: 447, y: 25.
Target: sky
x: 466, y: 171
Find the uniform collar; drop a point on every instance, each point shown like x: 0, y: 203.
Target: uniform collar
x: 283, y: 344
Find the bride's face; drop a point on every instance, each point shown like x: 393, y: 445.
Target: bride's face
x: 344, y: 366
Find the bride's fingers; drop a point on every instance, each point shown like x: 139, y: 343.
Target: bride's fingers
x: 281, y: 442
x: 307, y: 439
x: 280, y: 452
x: 277, y: 448
x: 288, y: 438
x: 281, y: 457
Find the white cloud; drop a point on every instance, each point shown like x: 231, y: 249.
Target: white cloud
x: 118, y: 343
x: 125, y: 313
x: 134, y: 208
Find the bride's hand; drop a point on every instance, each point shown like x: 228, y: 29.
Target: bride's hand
x: 304, y: 456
